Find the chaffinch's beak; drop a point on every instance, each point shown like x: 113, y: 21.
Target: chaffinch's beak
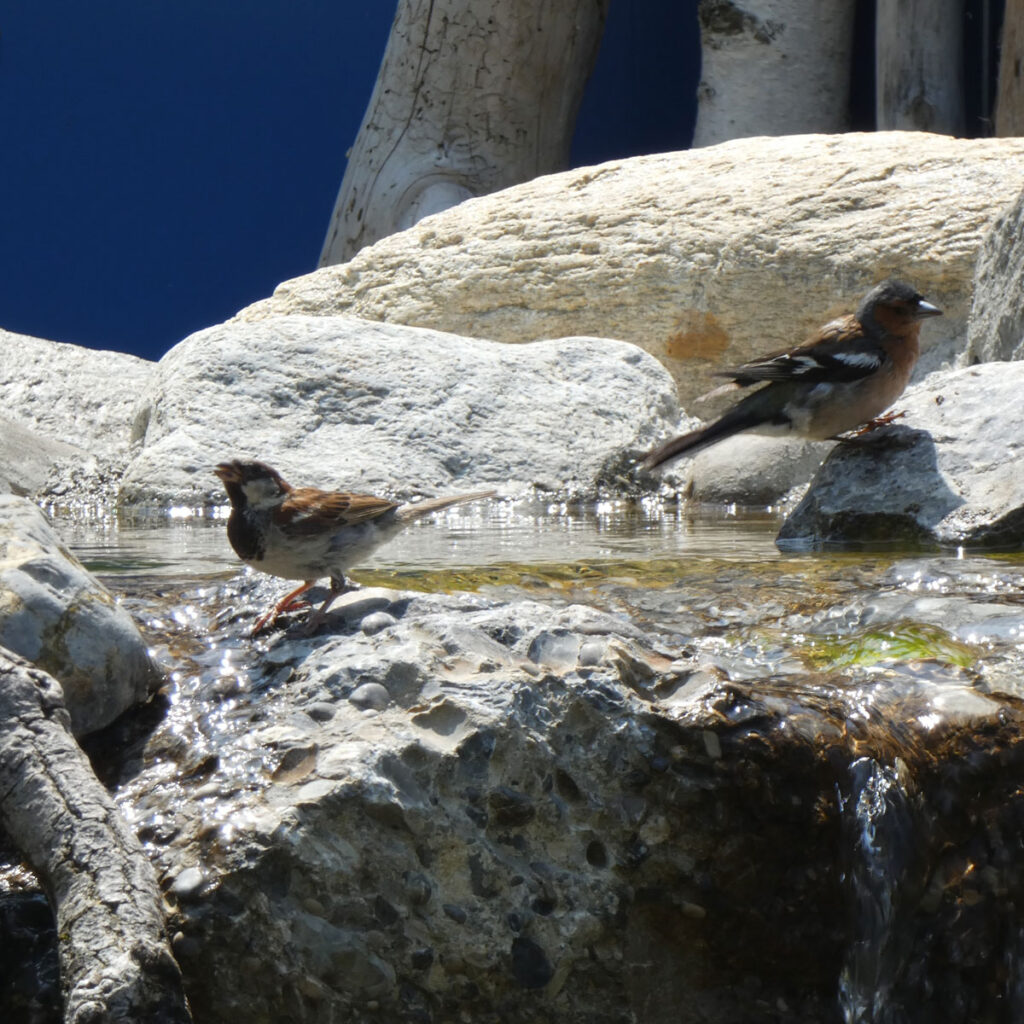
x: 926, y: 309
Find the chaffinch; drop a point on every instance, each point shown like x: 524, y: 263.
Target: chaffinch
x: 852, y: 370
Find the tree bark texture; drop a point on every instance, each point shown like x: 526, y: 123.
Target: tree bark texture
x: 773, y: 67
x: 919, y: 66
x: 116, y: 964
x: 1010, y: 94
x: 472, y: 96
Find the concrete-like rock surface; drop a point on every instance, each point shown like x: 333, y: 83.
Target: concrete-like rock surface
x: 950, y: 473
x: 996, y: 329
x: 591, y: 806
x: 705, y: 257
x: 361, y: 406
x: 55, y: 614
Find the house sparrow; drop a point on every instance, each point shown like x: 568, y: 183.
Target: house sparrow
x: 301, y: 533
x: 853, y: 369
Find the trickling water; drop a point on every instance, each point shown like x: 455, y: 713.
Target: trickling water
x: 879, y: 843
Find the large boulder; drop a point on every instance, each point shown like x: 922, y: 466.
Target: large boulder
x: 949, y: 474
x: 703, y: 257
x: 67, y: 412
x: 996, y: 329
x: 56, y: 615
x: 335, y: 401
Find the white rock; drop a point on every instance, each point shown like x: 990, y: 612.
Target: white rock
x: 27, y: 457
x: 70, y: 394
x: 949, y: 473
x: 55, y: 614
x: 704, y: 257
x: 339, y: 402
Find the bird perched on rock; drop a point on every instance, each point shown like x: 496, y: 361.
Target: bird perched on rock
x: 301, y: 533
x: 853, y: 369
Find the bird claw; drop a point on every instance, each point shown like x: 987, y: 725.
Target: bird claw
x: 289, y: 603
x: 319, y: 617
x: 874, y: 424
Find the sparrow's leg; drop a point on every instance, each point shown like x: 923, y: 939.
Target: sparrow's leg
x: 288, y: 603
x: 879, y: 421
x: 339, y: 586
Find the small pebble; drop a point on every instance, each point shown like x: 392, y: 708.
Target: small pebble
x: 370, y: 695
x: 592, y: 652
x: 188, y: 883
x: 712, y: 744
x: 456, y: 913
x: 376, y: 621
x: 321, y: 711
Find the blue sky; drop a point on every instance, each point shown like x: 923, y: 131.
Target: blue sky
x: 166, y: 162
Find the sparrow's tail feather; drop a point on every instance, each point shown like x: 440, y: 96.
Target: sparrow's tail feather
x: 424, y: 508
x: 733, y: 422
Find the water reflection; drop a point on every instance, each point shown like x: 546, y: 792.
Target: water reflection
x: 498, y: 532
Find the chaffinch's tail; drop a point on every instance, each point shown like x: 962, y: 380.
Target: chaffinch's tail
x: 743, y: 417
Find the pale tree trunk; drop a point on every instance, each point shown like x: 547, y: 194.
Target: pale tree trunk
x: 472, y: 96
x: 773, y: 67
x: 115, y: 962
x: 1010, y: 98
x: 919, y: 66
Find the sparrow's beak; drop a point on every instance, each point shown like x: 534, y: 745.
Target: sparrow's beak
x: 926, y: 309
x: 227, y: 473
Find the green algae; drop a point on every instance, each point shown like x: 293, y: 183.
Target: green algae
x: 905, y: 641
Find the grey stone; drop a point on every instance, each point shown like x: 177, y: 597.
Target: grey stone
x: 948, y: 474
x: 55, y: 614
x: 345, y: 403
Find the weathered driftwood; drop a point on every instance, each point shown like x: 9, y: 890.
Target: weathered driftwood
x: 1010, y: 96
x: 116, y: 964
x: 472, y: 96
x: 919, y: 66
x: 773, y: 67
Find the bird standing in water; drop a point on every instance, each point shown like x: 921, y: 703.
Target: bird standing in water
x: 301, y: 533
x: 849, y: 373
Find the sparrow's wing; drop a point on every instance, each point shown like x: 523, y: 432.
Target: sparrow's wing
x: 840, y: 352
x: 308, y: 510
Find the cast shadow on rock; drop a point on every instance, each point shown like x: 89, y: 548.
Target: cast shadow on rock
x: 882, y: 490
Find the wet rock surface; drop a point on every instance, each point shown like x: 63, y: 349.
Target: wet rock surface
x: 591, y: 799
